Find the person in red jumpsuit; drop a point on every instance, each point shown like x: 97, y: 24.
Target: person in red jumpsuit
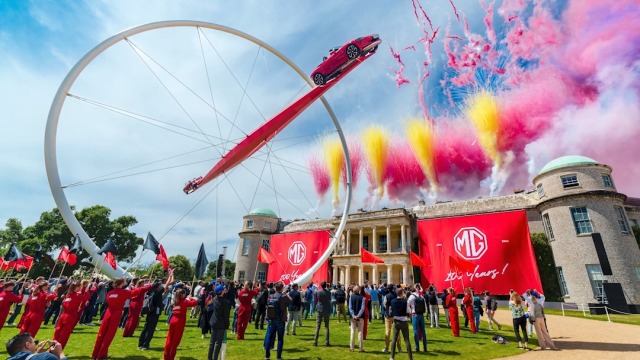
x: 87, y: 289
x: 367, y: 301
x: 32, y: 289
x: 37, y: 306
x: 468, y: 308
x: 135, y: 307
x: 452, y: 306
x: 7, y: 298
x: 179, y: 310
x: 115, y: 303
x: 244, y: 312
x: 71, y: 306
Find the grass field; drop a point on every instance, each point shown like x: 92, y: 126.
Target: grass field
x: 616, y: 318
x: 441, y: 343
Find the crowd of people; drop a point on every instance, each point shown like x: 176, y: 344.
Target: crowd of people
x: 122, y: 303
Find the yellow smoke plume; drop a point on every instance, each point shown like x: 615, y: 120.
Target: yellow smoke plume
x: 483, y: 111
x: 376, y: 147
x: 335, y: 163
x: 420, y: 136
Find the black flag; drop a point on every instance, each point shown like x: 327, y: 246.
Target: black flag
x: 38, y: 255
x: 201, y: 262
x: 109, y: 247
x: 220, y: 266
x: 151, y: 244
x: 15, y: 254
x: 77, y: 245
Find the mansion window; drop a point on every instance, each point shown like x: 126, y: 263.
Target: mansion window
x: 262, y: 276
x: 606, y: 180
x: 240, y: 275
x: 249, y: 224
x: 622, y: 219
x: 597, y: 279
x: 245, y: 246
x: 540, y: 190
x: 383, y: 243
x: 581, y: 220
x: 365, y: 243
x: 570, y: 181
x: 266, y: 244
x: 547, y: 226
x: 563, y: 282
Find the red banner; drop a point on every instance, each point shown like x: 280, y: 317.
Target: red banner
x: 295, y: 253
x: 498, y: 245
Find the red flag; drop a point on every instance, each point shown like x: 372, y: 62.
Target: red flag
x: 66, y: 256
x: 110, y: 259
x: 162, y: 257
x: 5, y: 265
x: 265, y: 257
x: 28, y: 263
x: 460, y: 264
x: 417, y: 260
x: 367, y: 257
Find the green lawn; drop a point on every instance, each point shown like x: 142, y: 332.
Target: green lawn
x: 617, y: 318
x: 440, y: 343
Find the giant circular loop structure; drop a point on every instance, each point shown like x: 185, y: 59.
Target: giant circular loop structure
x: 50, y: 149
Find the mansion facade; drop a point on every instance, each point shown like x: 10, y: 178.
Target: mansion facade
x: 575, y: 203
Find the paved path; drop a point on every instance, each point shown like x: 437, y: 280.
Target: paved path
x: 584, y: 339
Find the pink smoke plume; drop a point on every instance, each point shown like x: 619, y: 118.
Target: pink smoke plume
x: 320, y: 176
x: 356, y: 156
x: 566, y: 82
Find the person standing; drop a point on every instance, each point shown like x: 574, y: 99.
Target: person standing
x: 388, y: 319
x: 341, y: 299
x: 276, y: 316
x: 323, y: 313
x: 109, y: 325
x: 356, y: 310
x: 528, y: 296
x: 400, y: 322
x: 375, y: 302
x: 154, y: 299
x: 36, y: 305
x: 54, y: 309
x: 244, y: 311
x: 537, y: 313
x: 135, y: 306
x: 197, y: 292
x: 294, y: 308
x: 181, y: 305
x: 443, y: 298
x: 452, y: 306
x: 263, y: 294
x: 467, y: 301
x: 432, y: 295
x: 492, y: 306
x: 477, y: 309
x: 519, y: 321
x: 8, y: 298
x: 23, y: 288
x: 71, y: 305
x: 367, y: 315
x: 219, y: 322
x: 417, y: 308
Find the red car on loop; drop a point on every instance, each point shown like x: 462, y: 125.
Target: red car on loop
x: 341, y: 57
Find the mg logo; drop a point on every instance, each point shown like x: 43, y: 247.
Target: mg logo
x: 470, y: 243
x: 297, y: 253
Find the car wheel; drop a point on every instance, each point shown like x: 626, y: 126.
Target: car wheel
x: 352, y: 51
x: 318, y: 79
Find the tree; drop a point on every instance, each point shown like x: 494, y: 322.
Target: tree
x: 183, y: 270
x: 546, y: 266
x: 12, y: 233
x: 229, y: 269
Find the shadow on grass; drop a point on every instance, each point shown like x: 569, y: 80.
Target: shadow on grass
x: 580, y: 345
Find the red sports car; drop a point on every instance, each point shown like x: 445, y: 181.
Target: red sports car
x: 192, y: 185
x: 341, y: 57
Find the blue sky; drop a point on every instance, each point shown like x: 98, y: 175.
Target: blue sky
x: 42, y: 40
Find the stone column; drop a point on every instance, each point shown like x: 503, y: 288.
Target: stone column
x: 409, y: 238
x: 347, y: 275
x: 361, y: 239
x: 403, y: 239
x: 374, y: 241
x: 335, y: 275
x: 388, y: 238
x: 347, y: 250
x: 374, y: 274
x: 389, y: 274
x: 360, y: 274
x: 405, y: 278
